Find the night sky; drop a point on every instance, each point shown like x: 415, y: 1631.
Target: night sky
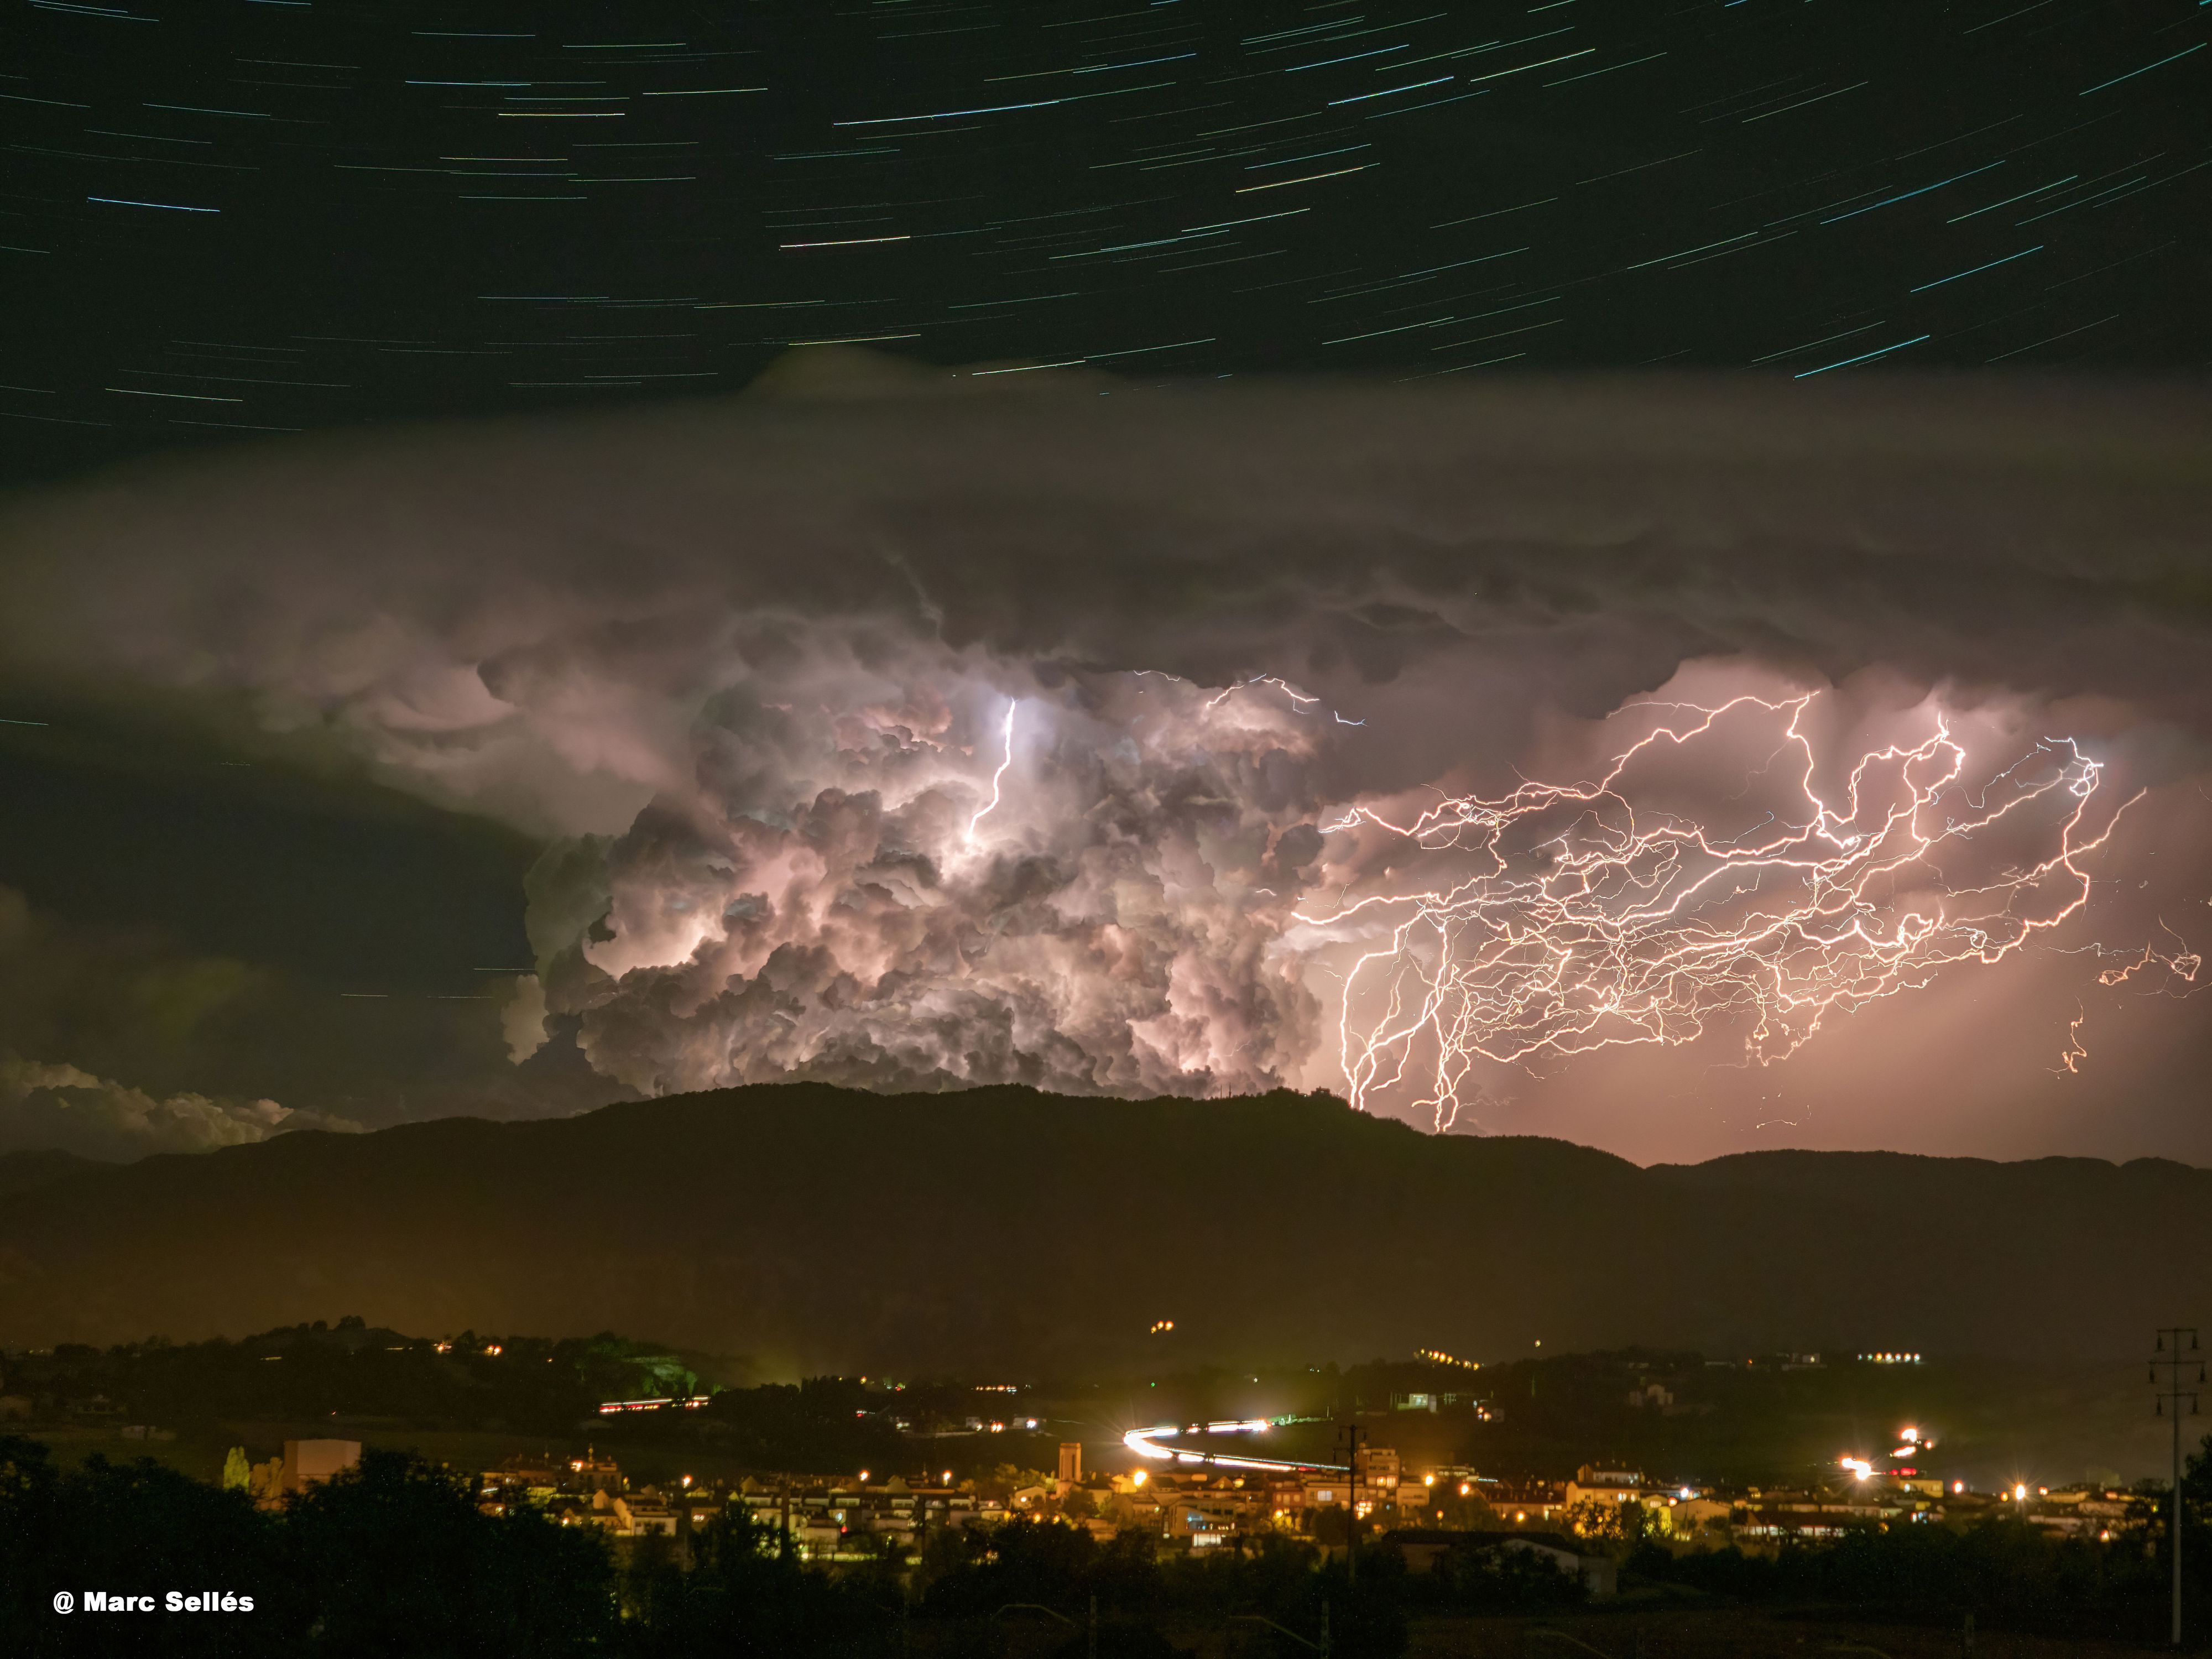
x: 917, y: 545
x: 267, y: 217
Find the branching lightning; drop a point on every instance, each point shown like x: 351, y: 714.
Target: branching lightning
x: 1574, y: 921
x: 2176, y: 967
x: 2180, y: 963
x: 1298, y: 699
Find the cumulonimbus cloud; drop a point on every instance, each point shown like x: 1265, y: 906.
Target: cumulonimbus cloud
x: 917, y: 870
x: 749, y: 668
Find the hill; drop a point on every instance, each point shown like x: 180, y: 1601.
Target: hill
x: 816, y: 1228
x: 20, y: 1171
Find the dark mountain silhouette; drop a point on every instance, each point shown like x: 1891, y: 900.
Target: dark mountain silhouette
x: 814, y: 1227
x: 20, y: 1171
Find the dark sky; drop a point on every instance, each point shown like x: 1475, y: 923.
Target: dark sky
x: 394, y: 771
x: 254, y: 216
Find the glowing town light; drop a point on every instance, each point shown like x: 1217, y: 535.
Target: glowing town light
x: 609, y: 1408
x: 1860, y: 1469
x: 1580, y: 919
x: 2020, y: 1492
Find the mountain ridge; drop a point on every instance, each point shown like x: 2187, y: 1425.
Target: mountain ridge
x: 816, y: 1228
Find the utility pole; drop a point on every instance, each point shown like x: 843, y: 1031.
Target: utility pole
x: 2171, y: 1359
x: 1348, y: 1437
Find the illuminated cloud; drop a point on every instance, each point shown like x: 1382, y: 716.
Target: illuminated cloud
x: 59, y: 1106
x: 522, y: 1018
x: 750, y: 672
x: 871, y: 883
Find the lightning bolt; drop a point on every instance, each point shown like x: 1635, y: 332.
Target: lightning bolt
x: 1298, y: 699
x: 2071, y: 1060
x: 2180, y: 963
x: 1582, y: 922
x: 2179, y: 966
x: 997, y: 777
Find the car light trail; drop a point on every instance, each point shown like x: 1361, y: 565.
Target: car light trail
x: 1146, y: 1443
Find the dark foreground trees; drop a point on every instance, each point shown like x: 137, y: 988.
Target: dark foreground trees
x: 390, y: 1559
x: 740, y: 1599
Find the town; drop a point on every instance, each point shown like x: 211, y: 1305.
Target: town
x: 872, y: 1515
x: 1579, y: 1485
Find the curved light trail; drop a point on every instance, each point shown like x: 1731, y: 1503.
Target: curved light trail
x: 1146, y: 1443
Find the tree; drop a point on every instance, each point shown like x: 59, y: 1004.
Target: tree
x: 2196, y: 1486
x: 29, y: 1505
x: 1610, y: 1522
x: 398, y: 1559
x: 741, y: 1598
x: 135, y: 1528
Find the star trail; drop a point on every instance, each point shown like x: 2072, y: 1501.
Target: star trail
x: 233, y: 221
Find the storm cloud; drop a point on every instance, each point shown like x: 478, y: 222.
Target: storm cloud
x: 888, y: 730
x: 59, y: 1106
